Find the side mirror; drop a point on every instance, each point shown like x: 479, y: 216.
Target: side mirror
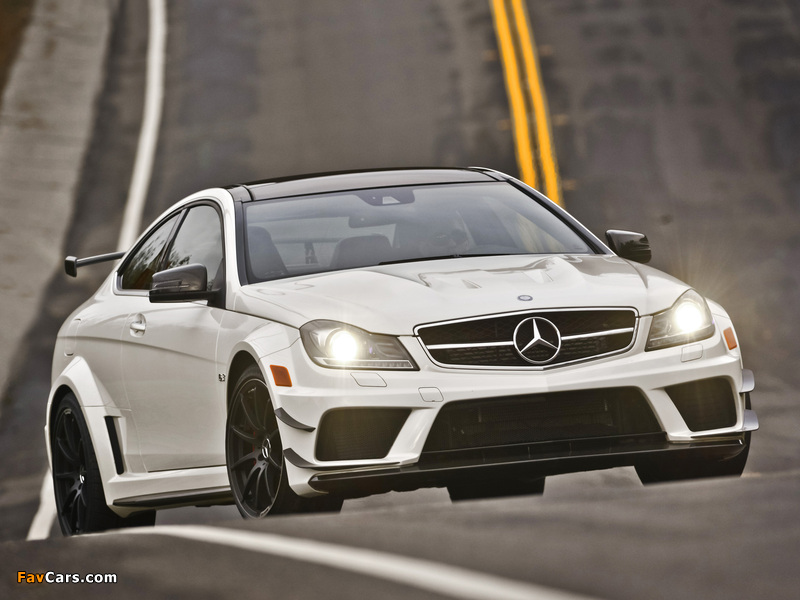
x: 181, y: 284
x: 629, y: 244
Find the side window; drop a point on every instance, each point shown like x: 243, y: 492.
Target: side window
x: 138, y: 273
x: 199, y: 240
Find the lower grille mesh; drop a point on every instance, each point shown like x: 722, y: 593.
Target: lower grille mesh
x: 541, y: 418
x: 359, y: 433
x: 705, y: 404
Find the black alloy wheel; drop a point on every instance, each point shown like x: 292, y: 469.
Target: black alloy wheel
x: 80, y: 502
x: 69, y: 472
x: 254, y: 455
x: 254, y: 450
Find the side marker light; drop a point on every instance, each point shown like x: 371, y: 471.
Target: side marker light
x: 730, y: 338
x: 281, y: 376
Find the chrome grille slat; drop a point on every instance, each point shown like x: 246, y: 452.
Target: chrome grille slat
x: 597, y: 334
x: 476, y: 345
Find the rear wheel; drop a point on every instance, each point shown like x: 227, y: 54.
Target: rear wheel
x: 495, y: 488
x: 254, y: 455
x: 80, y: 501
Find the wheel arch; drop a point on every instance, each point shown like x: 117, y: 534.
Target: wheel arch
x: 56, y: 396
x: 95, y: 405
x: 263, y: 338
x: 240, y: 362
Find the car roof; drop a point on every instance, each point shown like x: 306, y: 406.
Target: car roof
x: 320, y: 183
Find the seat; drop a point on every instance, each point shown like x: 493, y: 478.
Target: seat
x: 265, y: 261
x: 361, y: 251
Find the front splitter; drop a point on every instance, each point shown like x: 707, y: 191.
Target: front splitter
x: 522, y: 460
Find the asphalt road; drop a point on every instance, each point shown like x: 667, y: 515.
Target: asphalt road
x: 678, y: 119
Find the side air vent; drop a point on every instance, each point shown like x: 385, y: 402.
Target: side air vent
x: 116, y: 450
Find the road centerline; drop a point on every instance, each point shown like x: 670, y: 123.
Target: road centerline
x: 519, y: 112
x: 547, y: 156
x: 527, y: 100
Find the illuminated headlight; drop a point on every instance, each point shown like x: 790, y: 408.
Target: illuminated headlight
x: 341, y: 346
x: 687, y: 321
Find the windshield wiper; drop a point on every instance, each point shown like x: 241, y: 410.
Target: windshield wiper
x: 444, y: 257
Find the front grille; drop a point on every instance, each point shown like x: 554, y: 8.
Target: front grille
x: 359, y: 433
x: 541, y: 418
x: 705, y: 404
x: 488, y: 341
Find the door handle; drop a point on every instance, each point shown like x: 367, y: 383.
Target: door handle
x: 138, y: 326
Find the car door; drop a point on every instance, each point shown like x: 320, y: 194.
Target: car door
x: 95, y: 334
x: 169, y: 357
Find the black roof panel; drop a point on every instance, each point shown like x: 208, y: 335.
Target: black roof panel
x: 321, y: 183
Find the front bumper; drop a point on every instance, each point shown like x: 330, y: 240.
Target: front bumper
x: 317, y: 391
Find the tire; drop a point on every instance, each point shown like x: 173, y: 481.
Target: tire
x: 80, y: 502
x: 659, y: 471
x: 495, y: 488
x: 254, y: 455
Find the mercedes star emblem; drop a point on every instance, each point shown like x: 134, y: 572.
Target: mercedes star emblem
x: 537, y: 340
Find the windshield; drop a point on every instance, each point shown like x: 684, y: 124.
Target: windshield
x: 362, y: 228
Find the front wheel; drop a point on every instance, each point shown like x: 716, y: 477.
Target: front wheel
x: 254, y: 455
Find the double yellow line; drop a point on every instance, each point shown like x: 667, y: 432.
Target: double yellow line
x: 526, y: 96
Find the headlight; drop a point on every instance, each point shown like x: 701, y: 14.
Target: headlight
x: 687, y: 321
x: 341, y: 346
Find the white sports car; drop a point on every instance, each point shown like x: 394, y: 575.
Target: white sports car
x: 287, y: 344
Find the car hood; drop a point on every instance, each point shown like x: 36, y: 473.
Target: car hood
x: 393, y: 299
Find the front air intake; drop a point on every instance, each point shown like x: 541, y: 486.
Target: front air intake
x: 359, y: 433
x: 533, y: 418
x: 705, y: 404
